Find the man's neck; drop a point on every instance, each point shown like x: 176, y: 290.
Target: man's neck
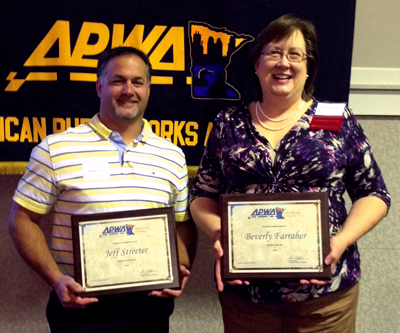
x: 128, y: 129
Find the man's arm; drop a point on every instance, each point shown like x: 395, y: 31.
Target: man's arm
x: 30, y: 243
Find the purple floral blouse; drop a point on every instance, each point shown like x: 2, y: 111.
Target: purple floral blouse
x: 237, y: 159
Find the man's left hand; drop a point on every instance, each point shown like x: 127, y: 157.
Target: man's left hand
x: 166, y: 293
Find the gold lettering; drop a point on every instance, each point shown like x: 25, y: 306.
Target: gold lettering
x: 174, y: 38
x: 1, y: 129
x: 164, y: 132
x: 39, y: 129
x: 195, y: 126
x: 60, y: 32
x: 67, y: 123
x: 210, y: 126
x: 8, y: 122
x: 61, y: 125
x: 58, y: 125
x: 26, y: 133
x: 178, y: 125
x: 173, y: 131
x: 83, y: 48
x: 84, y: 121
x: 155, y: 126
x: 76, y: 122
x: 135, y: 38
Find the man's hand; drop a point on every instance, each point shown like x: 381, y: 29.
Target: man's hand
x: 66, y: 287
x: 175, y: 293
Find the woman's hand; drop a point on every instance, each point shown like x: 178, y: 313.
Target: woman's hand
x: 205, y: 213
x: 218, y: 255
x: 338, y: 245
x: 219, y: 252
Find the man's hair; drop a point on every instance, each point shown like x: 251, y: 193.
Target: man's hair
x: 282, y: 28
x: 107, y: 55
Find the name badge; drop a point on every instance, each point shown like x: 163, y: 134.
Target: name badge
x: 328, y: 116
x: 98, y: 170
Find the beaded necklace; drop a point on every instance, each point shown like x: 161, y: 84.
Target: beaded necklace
x: 258, y: 109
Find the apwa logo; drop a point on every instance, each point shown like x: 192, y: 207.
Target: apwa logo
x: 268, y: 212
x: 211, y: 51
x: 122, y: 229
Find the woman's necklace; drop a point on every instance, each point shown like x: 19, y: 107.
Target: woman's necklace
x: 258, y: 107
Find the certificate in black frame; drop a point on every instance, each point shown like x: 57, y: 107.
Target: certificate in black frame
x: 167, y: 213
x: 256, y: 273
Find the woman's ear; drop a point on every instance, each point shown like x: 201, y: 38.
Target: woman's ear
x: 256, y: 67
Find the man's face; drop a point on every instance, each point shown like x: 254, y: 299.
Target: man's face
x: 123, y: 90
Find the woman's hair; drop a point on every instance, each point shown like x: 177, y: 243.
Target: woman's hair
x: 282, y: 28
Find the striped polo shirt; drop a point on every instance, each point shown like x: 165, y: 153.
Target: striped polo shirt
x: 80, y: 171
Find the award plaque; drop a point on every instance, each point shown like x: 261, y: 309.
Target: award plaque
x: 126, y: 251
x: 275, y: 236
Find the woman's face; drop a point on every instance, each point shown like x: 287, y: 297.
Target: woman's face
x: 282, y: 78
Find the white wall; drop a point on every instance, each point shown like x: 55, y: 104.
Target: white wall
x: 375, y: 91
x: 375, y: 76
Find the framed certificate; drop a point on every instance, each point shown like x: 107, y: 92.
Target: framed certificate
x: 275, y: 236
x: 126, y: 251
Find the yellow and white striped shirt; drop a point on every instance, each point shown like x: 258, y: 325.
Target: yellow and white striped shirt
x: 79, y: 171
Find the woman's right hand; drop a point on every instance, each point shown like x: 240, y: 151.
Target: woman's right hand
x: 205, y: 213
x: 218, y: 255
x: 219, y: 252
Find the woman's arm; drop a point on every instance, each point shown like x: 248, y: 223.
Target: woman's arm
x: 365, y: 214
x: 206, y: 214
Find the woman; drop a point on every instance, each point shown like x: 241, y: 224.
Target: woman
x: 268, y: 147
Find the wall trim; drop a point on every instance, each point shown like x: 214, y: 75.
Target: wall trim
x: 375, y: 91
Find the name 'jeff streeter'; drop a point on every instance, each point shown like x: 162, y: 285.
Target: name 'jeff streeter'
x: 117, y: 251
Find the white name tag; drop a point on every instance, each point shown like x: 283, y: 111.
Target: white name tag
x: 330, y: 109
x: 98, y: 170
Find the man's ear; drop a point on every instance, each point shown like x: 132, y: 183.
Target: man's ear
x: 98, y: 88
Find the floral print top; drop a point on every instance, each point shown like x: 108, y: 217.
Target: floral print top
x: 237, y: 159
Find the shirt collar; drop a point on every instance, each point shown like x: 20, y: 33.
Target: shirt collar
x: 96, y: 124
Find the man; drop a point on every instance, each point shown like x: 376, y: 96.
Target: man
x: 113, y: 163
